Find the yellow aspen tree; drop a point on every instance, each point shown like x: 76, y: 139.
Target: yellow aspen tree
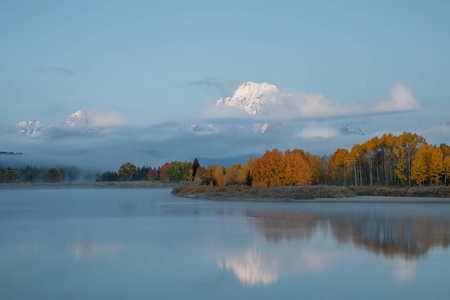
x: 242, y: 174
x: 219, y: 174
x: 338, y: 165
x: 354, y: 162
x: 436, y: 165
x: 446, y: 169
x: 407, y: 145
x: 419, y: 166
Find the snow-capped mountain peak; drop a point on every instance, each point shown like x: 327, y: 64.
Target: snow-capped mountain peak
x: 351, y: 130
x: 76, y: 119
x: 266, y: 128
x: 29, y: 123
x: 30, y: 128
x: 251, y: 97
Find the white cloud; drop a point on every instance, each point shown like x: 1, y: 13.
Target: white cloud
x: 104, y: 118
x: 318, y: 132
x: 223, y: 112
x: 297, y: 105
x: 402, y: 99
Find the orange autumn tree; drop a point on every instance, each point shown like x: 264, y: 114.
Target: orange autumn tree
x: 201, y: 174
x: 152, y: 174
x: 266, y: 169
x: 297, y: 169
x: 276, y: 168
x: 314, y: 162
x: 163, y: 174
x: 338, y: 164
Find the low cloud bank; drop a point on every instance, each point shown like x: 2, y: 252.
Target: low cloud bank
x: 157, y: 144
x: 105, y: 118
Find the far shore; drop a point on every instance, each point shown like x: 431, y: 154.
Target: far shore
x: 107, y: 184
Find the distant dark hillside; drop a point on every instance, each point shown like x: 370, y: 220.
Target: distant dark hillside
x: 10, y: 153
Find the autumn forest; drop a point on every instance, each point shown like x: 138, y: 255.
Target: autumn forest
x: 391, y: 160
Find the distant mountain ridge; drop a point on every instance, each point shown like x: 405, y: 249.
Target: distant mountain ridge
x: 36, y: 129
x: 30, y: 128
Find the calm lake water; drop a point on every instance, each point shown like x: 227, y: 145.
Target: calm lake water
x: 147, y: 244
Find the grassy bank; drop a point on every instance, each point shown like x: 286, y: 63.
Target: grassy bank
x: 291, y: 193
x: 282, y: 193
x: 429, y: 191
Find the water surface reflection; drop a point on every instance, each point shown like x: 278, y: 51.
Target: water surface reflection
x: 138, y: 244
x: 399, y: 239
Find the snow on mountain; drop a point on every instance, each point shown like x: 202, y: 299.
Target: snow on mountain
x: 30, y: 128
x: 351, y: 130
x: 251, y: 97
x: 199, y: 128
x: 29, y: 123
x: 75, y: 120
x: 265, y: 128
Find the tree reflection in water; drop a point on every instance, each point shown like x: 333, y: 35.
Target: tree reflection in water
x: 399, y: 239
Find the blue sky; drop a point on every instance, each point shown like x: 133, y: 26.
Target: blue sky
x: 151, y: 61
x: 138, y: 57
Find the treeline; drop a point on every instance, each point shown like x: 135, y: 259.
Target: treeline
x: 137, y: 174
x: 34, y: 174
x: 174, y: 171
x: 391, y: 160
x: 10, y: 153
x: 406, y: 159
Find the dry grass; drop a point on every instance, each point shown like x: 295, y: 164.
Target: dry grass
x: 429, y: 191
x: 284, y: 193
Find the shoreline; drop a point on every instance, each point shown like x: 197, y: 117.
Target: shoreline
x: 322, y: 194
x: 105, y: 184
x: 356, y: 200
x: 316, y: 194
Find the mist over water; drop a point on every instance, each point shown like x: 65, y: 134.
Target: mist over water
x: 145, y: 243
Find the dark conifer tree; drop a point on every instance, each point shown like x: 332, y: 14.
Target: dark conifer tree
x: 195, y: 167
